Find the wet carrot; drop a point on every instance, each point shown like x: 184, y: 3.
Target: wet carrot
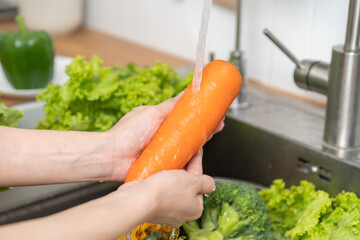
x: 190, y: 123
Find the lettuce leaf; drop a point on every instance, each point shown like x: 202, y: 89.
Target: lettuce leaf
x: 2, y: 189
x: 9, y: 116
x: 341, y: 221
x: 311, y: 215
x: 96, y: 97
x: 304, y: 213
x: 286, y: 206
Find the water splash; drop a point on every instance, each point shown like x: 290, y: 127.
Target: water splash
x: 200, y: 51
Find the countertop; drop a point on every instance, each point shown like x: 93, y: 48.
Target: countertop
x: 112, y: 50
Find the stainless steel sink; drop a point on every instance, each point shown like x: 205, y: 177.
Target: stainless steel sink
x: 276, y: 137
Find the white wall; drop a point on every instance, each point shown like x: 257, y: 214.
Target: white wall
x: 308, y: 27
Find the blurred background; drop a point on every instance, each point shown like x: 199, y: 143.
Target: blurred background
x: 309, y: 28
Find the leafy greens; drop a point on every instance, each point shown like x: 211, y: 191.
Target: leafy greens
x: 9, y: 116
x: 96, y: 97
x: 304, y: 213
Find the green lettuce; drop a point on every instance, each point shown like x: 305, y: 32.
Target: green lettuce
x: 9, y: 116
x: 341, y: 221
x: 2, y: 189
x: 96, y: 97
x: 304, y: 213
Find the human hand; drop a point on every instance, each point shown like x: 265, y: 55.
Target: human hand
x: 135, y: 130
x: 169, y: 197
x: 172, y: 197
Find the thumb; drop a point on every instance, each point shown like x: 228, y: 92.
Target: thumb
x: 195, y: 163
x: 207, y: 184
x: 166, y: 106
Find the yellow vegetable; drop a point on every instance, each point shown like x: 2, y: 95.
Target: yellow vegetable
x: 157, y: 230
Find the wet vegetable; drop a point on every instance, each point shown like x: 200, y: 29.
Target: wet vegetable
x: 233, y: 211
x: 304, y: 213
x: 190, y: 123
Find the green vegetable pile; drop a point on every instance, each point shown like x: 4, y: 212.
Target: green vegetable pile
x: 234, y: 211
x: 96, y: 97
x: 302, y: 212
x: 9, y: 117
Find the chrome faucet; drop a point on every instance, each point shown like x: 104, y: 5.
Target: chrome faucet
x: 339, y: 80
x: 237, y: 58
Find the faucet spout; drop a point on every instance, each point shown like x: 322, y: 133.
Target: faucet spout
x: 342, y: 126
x: 237, y: 58
x: 352, y: 39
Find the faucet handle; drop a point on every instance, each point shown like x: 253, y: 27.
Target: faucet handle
x: 282, y: 47
x: 309, y: 75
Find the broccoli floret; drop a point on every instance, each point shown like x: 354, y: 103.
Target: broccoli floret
x: 234, y: 211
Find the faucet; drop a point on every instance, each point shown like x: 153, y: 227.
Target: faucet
x: 237, y: 58
x: 339, y: 81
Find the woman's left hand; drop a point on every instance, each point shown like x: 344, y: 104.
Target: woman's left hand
x: 134, y: 131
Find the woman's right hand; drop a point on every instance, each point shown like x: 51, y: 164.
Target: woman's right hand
x: 168, y: 197
x: 173, y: 197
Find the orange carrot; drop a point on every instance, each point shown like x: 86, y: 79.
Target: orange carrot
x: 190, y: 123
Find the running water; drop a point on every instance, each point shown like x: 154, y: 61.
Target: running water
x: 164, y: 231
x: 200, y: 51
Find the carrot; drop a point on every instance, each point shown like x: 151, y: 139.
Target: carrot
x: 190, y: 123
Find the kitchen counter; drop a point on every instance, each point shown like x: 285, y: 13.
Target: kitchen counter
x: 112, y: 50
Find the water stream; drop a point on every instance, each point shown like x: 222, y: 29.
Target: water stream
x: 200, y: 51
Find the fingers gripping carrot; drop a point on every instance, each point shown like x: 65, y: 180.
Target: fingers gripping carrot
x: 190, y: 123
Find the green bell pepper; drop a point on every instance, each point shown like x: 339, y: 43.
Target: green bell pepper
x: 27, y: 58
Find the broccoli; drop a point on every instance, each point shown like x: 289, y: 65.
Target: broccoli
x: 234, y: 211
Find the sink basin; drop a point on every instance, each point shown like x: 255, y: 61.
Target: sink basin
x: 276, y: 137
